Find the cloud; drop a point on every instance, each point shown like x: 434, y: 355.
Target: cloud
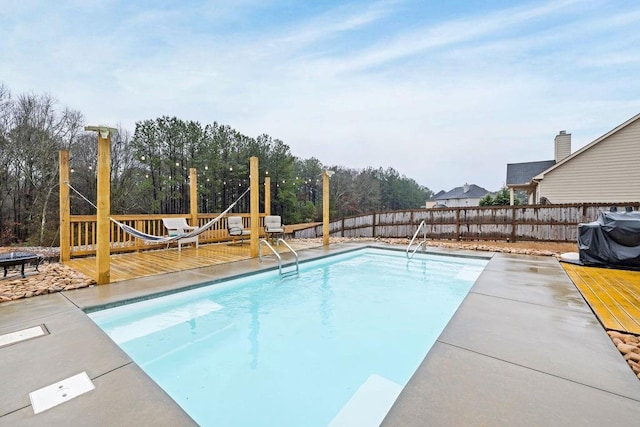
x: 442, y: 96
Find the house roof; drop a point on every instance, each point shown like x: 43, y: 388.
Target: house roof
x: 523, y: 173
x: 474, y: 192
x: 540, y: 175
x: 435, y: 196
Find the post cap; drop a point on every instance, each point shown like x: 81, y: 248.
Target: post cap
x: 104, y: 130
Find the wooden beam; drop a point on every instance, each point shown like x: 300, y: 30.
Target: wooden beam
x: 267, y: 196
x: 254, y: 205
x: 104, y: 209
x: 103, y: 238
x: 325, y: 207
x: 193, y: 196
x: 65, y: 208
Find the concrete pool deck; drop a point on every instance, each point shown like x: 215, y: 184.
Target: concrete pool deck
x: 523, y: 349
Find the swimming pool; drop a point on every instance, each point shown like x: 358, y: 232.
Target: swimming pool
x: 335, y: 344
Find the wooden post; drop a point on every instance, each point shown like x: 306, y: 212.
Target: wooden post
x: 267, y: 196
x: 193, y: 196
x: 325, y: 207
x: 254, y: 205
x: 511, y: 196
x: 374, y: 221
x: 514, y: 224
x: 103, y: 250
x: 65, y: 208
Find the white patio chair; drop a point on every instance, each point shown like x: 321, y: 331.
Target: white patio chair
x: 236, y: 229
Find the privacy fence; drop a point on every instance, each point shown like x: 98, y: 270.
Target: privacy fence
x: 550, y: 223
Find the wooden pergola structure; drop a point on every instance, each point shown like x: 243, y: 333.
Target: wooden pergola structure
x: 103, y: 206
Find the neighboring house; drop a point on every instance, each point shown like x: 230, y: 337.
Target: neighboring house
x: 432, y: 202
x: 467, y: 195
x: 606, y: 170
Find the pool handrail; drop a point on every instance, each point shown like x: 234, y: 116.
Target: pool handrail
x: 277, y: 254
x: 422, y: 226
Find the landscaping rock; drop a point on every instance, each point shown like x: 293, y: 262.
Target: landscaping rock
x: 51, y: 277
x: 629, y: 347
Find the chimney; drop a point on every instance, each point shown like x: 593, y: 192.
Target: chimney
x: 562, y: 144
x: 466, y: 187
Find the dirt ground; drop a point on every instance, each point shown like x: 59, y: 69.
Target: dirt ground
x: 536, y: 246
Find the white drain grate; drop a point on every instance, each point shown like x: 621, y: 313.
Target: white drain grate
x: 60, y: 392
x: 22, y: 335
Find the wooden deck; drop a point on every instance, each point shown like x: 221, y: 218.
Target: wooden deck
x: 614, y: 295
x: 148, y: 263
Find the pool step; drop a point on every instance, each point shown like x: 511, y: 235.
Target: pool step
x: 370, y: 403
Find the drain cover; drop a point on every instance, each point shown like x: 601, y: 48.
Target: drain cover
x: 55, y: 394
x: 22, y: 335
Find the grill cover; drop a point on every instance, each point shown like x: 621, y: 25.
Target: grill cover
x: 611, y: 241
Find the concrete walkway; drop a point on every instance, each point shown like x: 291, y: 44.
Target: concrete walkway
x: 523, y: 349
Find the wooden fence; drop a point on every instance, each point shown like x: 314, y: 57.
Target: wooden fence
x: 550, y: 223
x: 84, y: 231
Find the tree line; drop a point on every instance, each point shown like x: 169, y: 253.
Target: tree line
x: 150, y: 171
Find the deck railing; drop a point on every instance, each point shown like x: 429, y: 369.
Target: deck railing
x: 83, y: 231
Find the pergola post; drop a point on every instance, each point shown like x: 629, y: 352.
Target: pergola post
x: 267, y: 195
x: 103, y: 243
x: 325, y: 206
x: 193, y: 196
x: 254, y: 205
x: 65, y: 208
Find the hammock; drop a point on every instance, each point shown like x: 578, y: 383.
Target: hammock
x: 165, y: 239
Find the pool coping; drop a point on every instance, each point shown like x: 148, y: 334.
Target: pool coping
x: 547, y: 381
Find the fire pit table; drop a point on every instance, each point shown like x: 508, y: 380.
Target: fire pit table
x: 19, y: 258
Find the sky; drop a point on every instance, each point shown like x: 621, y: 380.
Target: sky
x: 444, y: 92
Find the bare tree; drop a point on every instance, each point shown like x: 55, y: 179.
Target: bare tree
x: 37, y: 130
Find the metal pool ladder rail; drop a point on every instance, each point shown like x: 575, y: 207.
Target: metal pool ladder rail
x: 277, y: 254
x: 423, y: 243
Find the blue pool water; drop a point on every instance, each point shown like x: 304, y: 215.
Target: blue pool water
x: 335, y: 344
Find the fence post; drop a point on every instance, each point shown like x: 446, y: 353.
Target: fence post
x: 373, y: 230
x: 458, y: 224
x: 513, y: 223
